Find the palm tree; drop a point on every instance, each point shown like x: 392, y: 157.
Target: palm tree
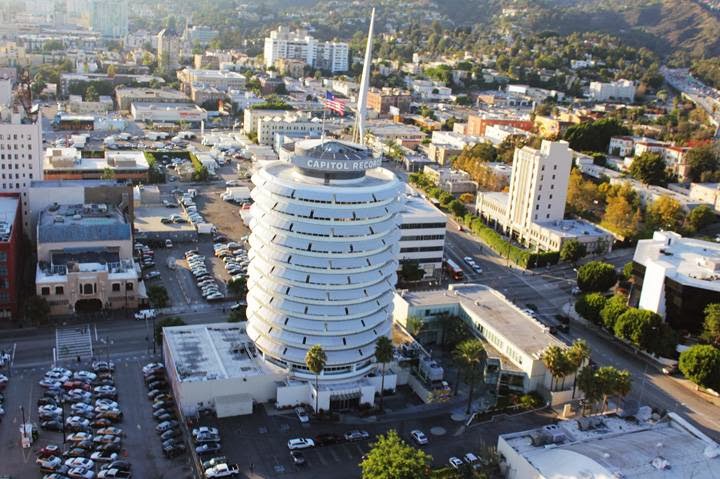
x: 315, y: 360
x: 383, y: 355
x: 556, y: 362
x: 578, y: 354
x: 414, y: 326
x: 470, y: 356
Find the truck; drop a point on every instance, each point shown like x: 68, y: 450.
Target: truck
x: 222, y: 470
x: 205, y: 228
x: 114, y: 473
x: 237, y: 194
x: 145, y: 314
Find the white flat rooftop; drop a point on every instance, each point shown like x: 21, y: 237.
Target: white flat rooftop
x: 620, y: 448
x: 492, y: 308
x: 572, y: 228
x: 213, y: 351
x: 418, y: 208
x: 688, y: 261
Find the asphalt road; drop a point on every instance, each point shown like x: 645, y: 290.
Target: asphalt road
x: 549, y: 290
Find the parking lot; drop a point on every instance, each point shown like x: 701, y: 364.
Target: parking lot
x: 140, y: 444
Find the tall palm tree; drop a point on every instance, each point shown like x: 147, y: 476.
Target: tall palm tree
x: 414, y: 326
x: 471, y: 356
x: 315, y: 360
x: 578, y: 354
x: 383, y: 355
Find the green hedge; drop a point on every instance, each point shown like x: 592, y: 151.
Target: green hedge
x: 519, y: 256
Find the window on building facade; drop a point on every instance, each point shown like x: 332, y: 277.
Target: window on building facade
x: 59, y: 291
x: 45, y: 291
x: 116, y: 286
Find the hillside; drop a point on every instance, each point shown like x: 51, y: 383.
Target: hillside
x: 673, y: 28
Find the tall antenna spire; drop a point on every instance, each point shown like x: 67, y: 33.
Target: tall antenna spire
x: 359, y: 135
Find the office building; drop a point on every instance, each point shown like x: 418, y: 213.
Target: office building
x: 455, y: 182
x: 677, y: 278
x: 513, y: 340
x: 68, y: 164
x: 21, y: 154
x: 10, y: 254
x: 252, y: 117
x: 220, y: 79
x: 637, y: 446
x: 324, y: 256
x: 169, y: 113
x: 381, y: 100
x: 533, y: 210
x: 621, y: 90
x: 200, y: 35
x: 299, y: 45
x: 109, y: 18
x: 422, y: 227
x: 85, y: 259
x: 295, y: 125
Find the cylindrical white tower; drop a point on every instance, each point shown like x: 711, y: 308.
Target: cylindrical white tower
x: 323, y: 258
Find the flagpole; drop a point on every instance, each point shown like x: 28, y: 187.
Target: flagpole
x: 322, y: 127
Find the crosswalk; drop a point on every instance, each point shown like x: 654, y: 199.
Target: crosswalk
x: 73, y: 342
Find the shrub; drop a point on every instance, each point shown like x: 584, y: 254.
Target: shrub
x: 701, y: 365
x: 589, y: 306
x: 596, y: 276
x: 613, y: 309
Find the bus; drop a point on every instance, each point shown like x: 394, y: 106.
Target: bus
x: 453, y: 270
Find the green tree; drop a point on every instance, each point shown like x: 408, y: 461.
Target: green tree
x: 613, y: 309
x: 622, y: 217
x: 596, y: 276
x: 158, y: 296
x: 454, y: 331
x: 414, y: 326
x: 315, y: 359
x: 572, y: 251
x: 166, y: 323
x: 578, y: 355
x: 701, y: 160
x: 639, y: 326
x: 470, y: 356
x: 666, y: 213
x: 237, y: 315
x: 711, y: 324
x: 108, y: 174
x: 456, y: 208
x: 237, y: 287
x: 602, y: 383
x: 37, y: 309
x: 594, y: 136
x: 383, y: 355
x: 392, y: 458
x: 699, y: 218
x: 410, y: 271
x: 701, y: 365
x: 627, y: 270
x: 589, y: 306
x: 91, y: 93
x: 649, y: 168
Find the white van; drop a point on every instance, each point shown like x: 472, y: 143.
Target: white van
x: 145, y: 314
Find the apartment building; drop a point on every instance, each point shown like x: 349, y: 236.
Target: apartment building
x: 10, y: 254
x: 300, y: 45
x: 620, y: 90
x: 85, y: 259
x: 455, y: 182
x: 168, y: 49
x: 380, y: 100
x: 422, y: 228
x: 109, y: 18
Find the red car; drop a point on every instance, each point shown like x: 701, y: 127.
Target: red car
x: 49, y: 450
x: 70, y: 385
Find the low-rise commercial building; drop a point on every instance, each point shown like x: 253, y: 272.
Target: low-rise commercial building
x: 10, y: 254
x: 638, y: 446
x: 422, y: 228
x: 85, y: 259
x: 477, y: 124
x: 252, y: 116
x: 513, y: 340
x: 69, y: 164
x: 169, y: 113
x: 221, y: 79
x: 677, y: 278
x: 455, y: 182
x: 295, y: 125
x: 126, y: 96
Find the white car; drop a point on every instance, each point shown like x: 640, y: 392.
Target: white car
x: 107, y: 403
x: 49, y: 410
x: 84, y: 376
x: 203, y: 430
x: 81, y: 473
x: 80, y: 462
x: 471, y: 459
x: 469, y: 260
x: 81, y: 408
x: 455, y: 462
x: 419, y: 437
x: 302, y: 415
x: 300, y: 443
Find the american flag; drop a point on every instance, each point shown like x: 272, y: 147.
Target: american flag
x: 333, y: 104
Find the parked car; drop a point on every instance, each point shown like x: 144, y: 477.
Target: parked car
x: 300, y: 443
x: 419, y: 437
x: 356, y: 435
x: 208, y: 448
x: 298, y: 458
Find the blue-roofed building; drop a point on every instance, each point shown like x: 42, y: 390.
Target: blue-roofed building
x: 85, y: 259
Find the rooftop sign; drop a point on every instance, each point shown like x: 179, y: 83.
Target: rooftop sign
x: 330, y: 165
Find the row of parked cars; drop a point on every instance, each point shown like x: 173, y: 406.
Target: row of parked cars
x: 83, y: 406
x: 235, y: 257
x: 164, y: 409
x: 203, y: 278
x: 3, y: 384
x: 145, y: 255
